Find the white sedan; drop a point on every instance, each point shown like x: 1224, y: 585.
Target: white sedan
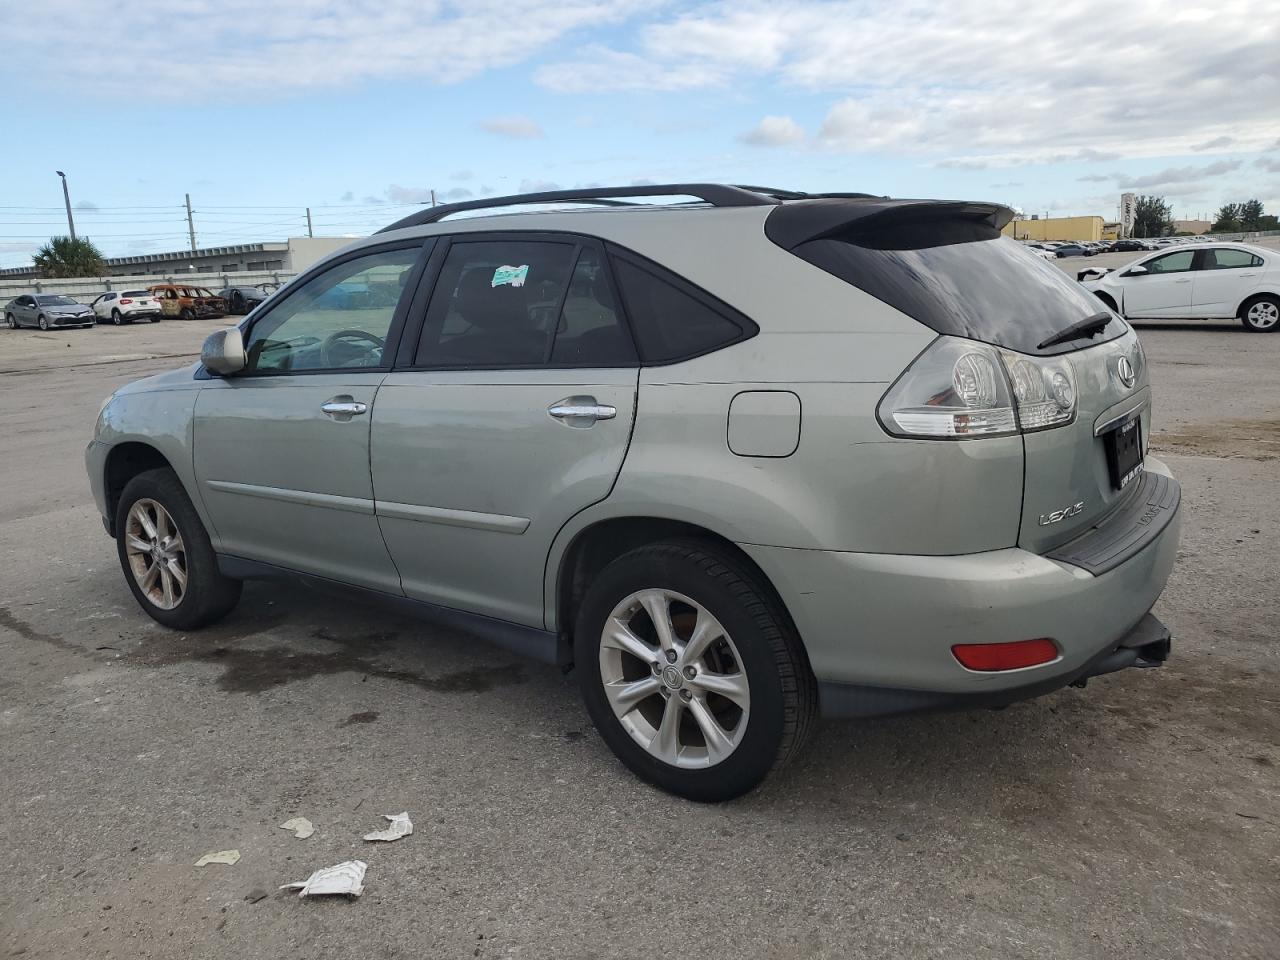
x: 1204, y: 281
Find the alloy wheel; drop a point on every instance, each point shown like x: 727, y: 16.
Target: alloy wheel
x: 1263, y: 315
x: 674, y: 679
x: 157, y: 556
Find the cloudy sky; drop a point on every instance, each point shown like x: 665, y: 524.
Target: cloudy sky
x: 357, y: 109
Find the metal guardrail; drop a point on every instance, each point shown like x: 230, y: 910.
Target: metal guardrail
x: 86, y: 289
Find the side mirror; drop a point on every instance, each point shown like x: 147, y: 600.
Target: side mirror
x: 223, y: 352
x: 1135, y: 271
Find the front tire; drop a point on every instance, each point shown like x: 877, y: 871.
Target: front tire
x: 43, y: 322
x: 12, y: 321
x: 116, y: 317
x: 1261, y: 314
x: 165, y: 554
x: 691, y: 671
x: 187, y: 314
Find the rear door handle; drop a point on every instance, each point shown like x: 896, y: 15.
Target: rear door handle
x: 581, y: 411
x: 1183, y: 280
x: 342, y: 408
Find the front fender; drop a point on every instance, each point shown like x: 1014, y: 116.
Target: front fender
x: 162, y: 420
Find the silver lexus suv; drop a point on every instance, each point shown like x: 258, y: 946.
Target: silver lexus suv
x: 741, y: 460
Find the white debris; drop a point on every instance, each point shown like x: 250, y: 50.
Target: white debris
x: 343, y: 879
x: 401, y: 826
x: 301, y: 827
x: 229, y: 857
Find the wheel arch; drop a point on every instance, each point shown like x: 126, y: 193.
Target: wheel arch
x: 124, y: 462
x: 1108, y: 299
x: 597, y: 544
x: 1256, y: 294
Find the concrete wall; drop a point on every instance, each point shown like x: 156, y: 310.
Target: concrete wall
x: 1192, y: 226
x: 304, y: 251
x: 1056, y: 228
x: 88, y: 288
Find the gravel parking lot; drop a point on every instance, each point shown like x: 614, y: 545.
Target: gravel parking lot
x: 1135, y: 818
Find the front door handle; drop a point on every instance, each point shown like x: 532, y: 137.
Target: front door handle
x: 342, y: 408
x: 581, y: 411
x: 1183, y: 280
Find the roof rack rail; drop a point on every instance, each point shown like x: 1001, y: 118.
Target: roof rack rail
x: 780, y: 194
x: 716, y: 194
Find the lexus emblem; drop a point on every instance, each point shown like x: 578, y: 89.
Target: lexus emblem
x: 1125, y: 369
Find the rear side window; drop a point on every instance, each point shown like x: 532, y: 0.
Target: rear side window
x: 1229, y: 259
x: 523, y: 303
x: 962, y: 279
x: 672, y: 319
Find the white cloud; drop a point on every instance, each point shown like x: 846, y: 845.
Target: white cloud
x: 518, y: 128
x: 1270, y: 164
x: 86, y: 205
x: 303, y: 44
x: 1214, y: 144
x: 1176, y: 176
x: 537, y: 186
x: 953, y: 80
x: 773, y: 132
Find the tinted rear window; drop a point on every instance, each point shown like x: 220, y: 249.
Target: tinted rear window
x: 965, y: 280
x: 136, y: 293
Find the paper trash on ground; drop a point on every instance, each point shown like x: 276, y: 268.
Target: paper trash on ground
x: 229, y: 857
x: 401, y: 826
x: 342, y: 879
x: 301, y: 827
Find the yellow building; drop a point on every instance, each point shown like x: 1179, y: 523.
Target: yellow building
x: 1055, y: 228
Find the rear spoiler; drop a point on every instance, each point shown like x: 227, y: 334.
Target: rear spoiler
x: 799, y: 221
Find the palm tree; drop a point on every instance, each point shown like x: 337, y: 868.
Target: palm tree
x: 65, y: 257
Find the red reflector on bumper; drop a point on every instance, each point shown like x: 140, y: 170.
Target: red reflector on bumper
x: 1005, y: 656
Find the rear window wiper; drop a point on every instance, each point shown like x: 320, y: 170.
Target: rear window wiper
x: 1090, y: 325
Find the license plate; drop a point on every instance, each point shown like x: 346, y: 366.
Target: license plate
x: 1124, y: 453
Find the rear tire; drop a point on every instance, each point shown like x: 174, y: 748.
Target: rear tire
x: 165, y: 554
x: 116, y: 317
x: 1261, y: 314
x: 750, y: 651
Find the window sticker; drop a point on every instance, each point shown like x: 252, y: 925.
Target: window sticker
x: 510, y: 276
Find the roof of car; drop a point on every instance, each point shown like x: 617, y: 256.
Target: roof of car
x: 793, y: 216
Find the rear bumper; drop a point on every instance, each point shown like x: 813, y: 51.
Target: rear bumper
x: 885, y: 622
x: 1148, y: 644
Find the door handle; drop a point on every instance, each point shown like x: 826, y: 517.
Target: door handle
x: 581, y: 411
x: 1183, y: 280
x: 342, y: 408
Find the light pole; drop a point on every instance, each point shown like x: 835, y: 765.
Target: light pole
x: 66, y: 195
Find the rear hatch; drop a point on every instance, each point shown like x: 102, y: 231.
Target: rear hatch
x: 947, y: 266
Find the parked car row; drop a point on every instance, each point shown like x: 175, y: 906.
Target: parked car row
x: 1088, y: 248
x: 174, y: 300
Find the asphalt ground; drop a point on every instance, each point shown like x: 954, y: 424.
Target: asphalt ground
x: 1136, y: 818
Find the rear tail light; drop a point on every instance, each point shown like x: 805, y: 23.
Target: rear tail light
x: 992, y: 657
x: 959, y: 389
x: 122, y: 300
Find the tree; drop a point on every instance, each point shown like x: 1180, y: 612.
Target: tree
x: 64, y: 257
x: 1152, y: 217
x: 1251, y: 214
x: 1228, y: 219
